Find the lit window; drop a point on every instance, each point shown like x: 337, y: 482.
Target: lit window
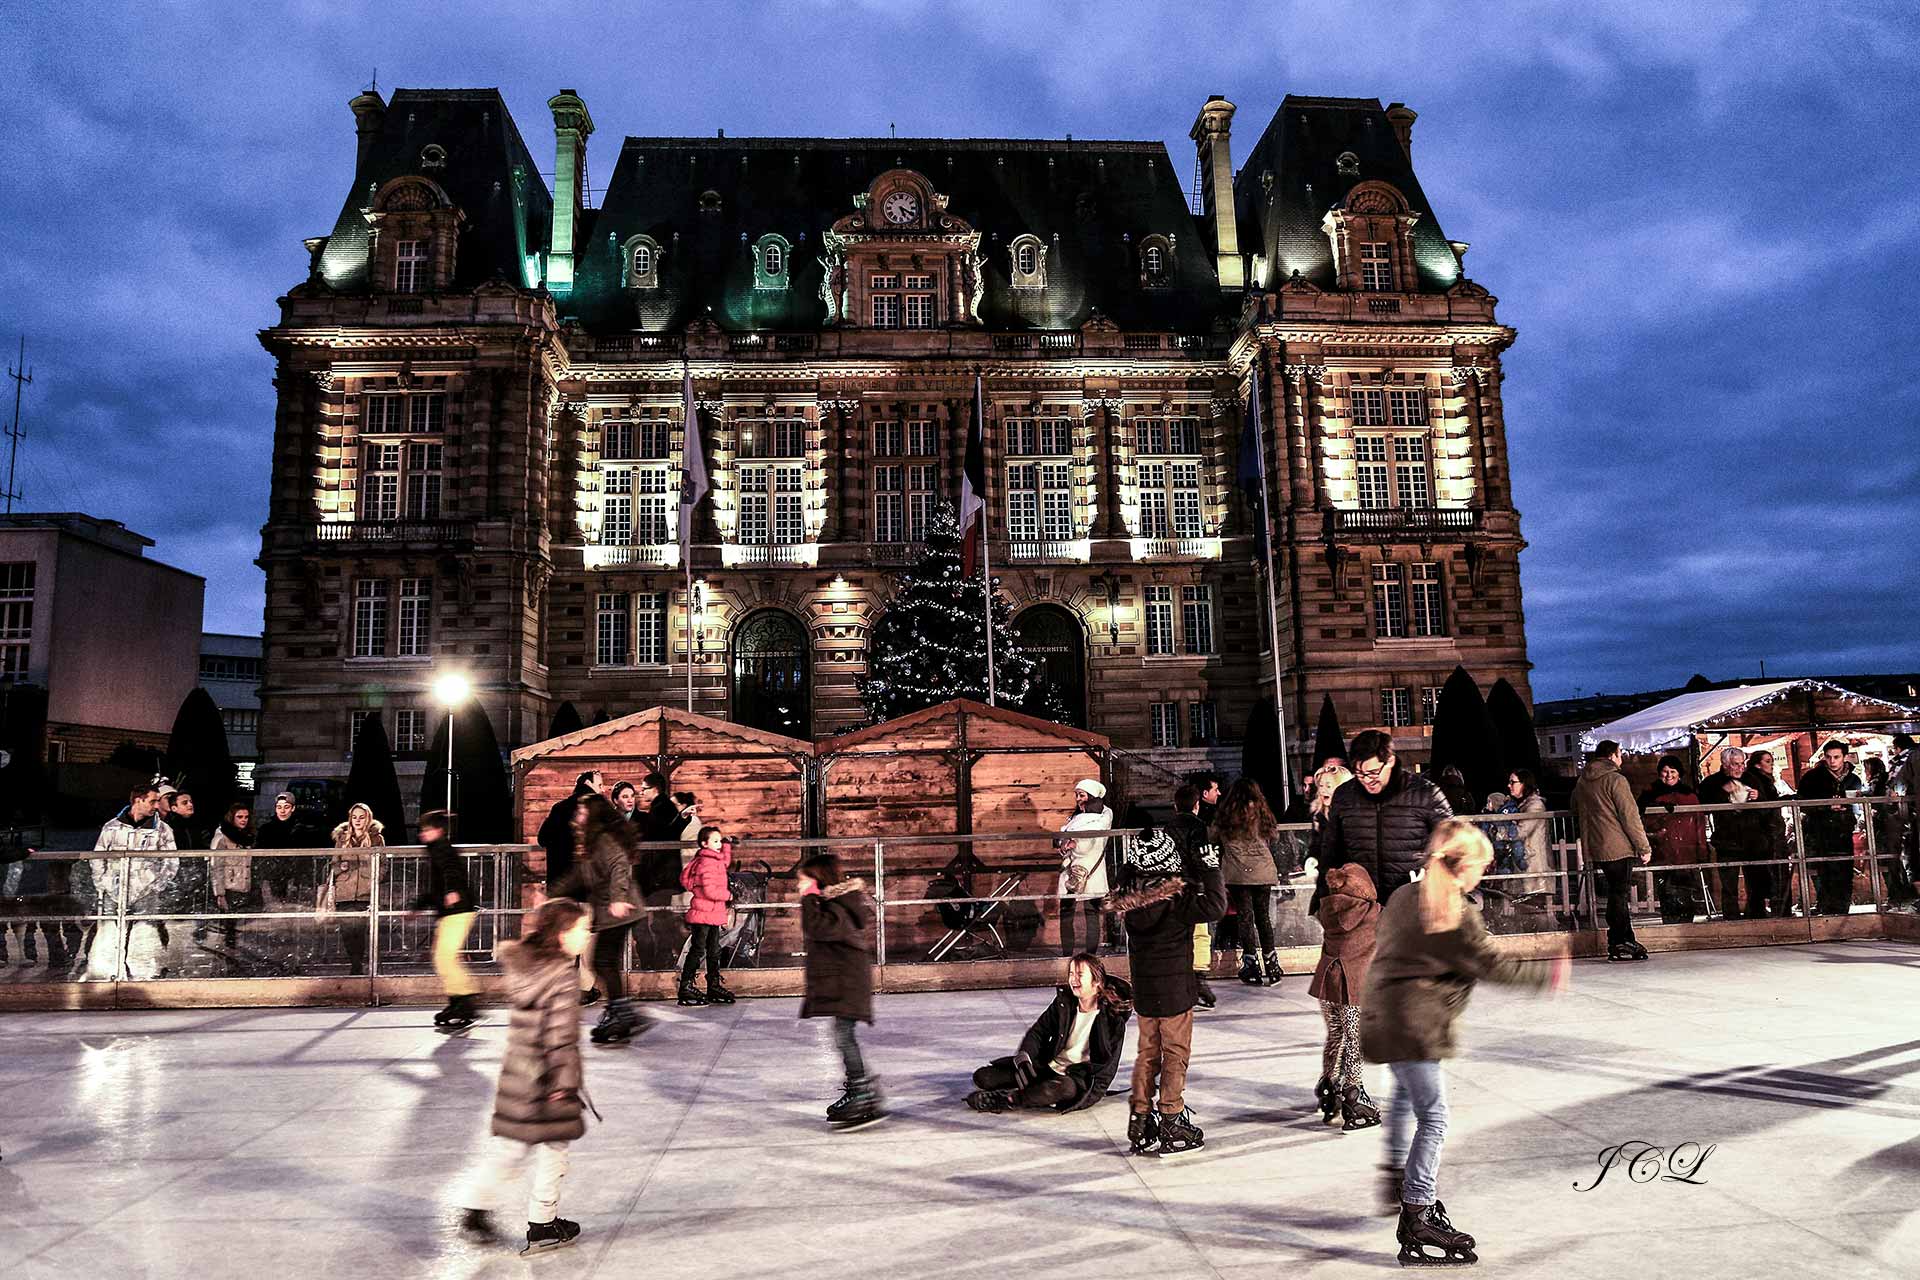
x: 650, y: 628
x: 416, y: 617
x: 778, y: 436
x: 919, y: 311
x: 1159, y: 620
x: 1371, y: 473
x: 1196, y: 618
x: 1168, y: 474
x: 1408, y: 406
x: 1039, y: 501
x: 423, y: 481
x: 1153, y: 263
x: 1410, y: 480
x: 1429, y: 612
x: 611, y: 631
x: 643, y: 263
x: 886, y: 311
x: 642, y: 260
x: 1028, y: 263
x: 409, y: 266
x: 1430, y: 703
x: 1389, y: 602
x: 1027, y: 259
x: 16, y: 618
x: 370, y: 618
x: 426, y: 414
x: 773, y: 260
x: 770, y: 511
x: 1166, y: 724
x: 1396, y: 708
x: 1376, y: 266
x: 1369, y: 407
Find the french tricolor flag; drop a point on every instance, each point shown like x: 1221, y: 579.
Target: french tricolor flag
x: 973, y: 484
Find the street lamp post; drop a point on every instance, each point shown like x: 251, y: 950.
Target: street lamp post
x: 450, y: 690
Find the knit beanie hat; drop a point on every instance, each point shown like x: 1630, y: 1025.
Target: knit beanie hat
x: 1155, y: 854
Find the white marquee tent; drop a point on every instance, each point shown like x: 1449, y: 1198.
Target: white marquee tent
x: 1671, y: 725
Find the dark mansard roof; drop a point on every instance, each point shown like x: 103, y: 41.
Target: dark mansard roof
x: 1090, y: 203
x: 488, y: 173
x: 1292, y: 177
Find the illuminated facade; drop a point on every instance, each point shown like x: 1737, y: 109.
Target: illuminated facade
x: 479, y: 436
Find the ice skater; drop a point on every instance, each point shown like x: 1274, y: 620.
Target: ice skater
x: 1432, y: 948
x: 835, y: 918
x: 1162, y: 911
x: 1349, y: 918
x: 541, y: 1101
x: 602, y: 875
x: 450, y: 898
x: 1071, y: 1053
x: 705, y: 878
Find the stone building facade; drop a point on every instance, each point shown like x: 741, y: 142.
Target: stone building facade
x: 479, y: 434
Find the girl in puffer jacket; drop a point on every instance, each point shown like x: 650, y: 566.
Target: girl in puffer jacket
x: 1349, y: 916
x: 541, y: 1101
x: 706, y: 879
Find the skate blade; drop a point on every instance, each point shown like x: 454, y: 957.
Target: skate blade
x: 1465, y: 1258
x: 854, y: 1126
x: 548, y: 1246
x: 1174, y: 1153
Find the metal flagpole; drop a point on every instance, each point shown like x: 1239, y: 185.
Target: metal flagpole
x: 693, y: 456
x: 1273, y: 609
x: 986, y: 529
x: 686, y: 557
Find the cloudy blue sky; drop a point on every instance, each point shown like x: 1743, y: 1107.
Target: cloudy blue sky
x: 1703, y: 218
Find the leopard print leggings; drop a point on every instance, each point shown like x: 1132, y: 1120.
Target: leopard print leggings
x: 1340, y: 1060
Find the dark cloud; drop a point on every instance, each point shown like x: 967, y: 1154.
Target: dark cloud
x: 1702, y: 218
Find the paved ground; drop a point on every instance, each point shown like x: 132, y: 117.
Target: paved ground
x: 302, y: 1143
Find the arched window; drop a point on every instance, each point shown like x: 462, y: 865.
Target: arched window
x: 1028, y: 263
x: 1028, y: 258
x: 1154, y: 260
x: 643, y: 260
x: 772, y: 256
x: 773, y: 260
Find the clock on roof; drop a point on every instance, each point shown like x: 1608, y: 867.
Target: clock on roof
x: 901, y: 207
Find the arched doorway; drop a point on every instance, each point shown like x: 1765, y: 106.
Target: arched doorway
x: 771, y: 674
x: 1054, y: 636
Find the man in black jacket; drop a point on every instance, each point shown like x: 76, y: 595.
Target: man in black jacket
x: 1161, y: 912
x: 1381, y: 819
x: 556, y: 833
x: 1829, y: 831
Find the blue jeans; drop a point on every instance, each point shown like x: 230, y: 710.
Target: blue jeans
x: 1419, y: 1103
x: 848, y: 1043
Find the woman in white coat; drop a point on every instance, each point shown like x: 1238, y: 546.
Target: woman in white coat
x: 1083, y: 865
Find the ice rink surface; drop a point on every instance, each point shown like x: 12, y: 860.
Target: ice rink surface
x: 279, y: 1144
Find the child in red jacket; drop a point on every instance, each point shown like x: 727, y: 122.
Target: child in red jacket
x: 706, y: 879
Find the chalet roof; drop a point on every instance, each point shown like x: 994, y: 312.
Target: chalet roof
x: 665, y: 718
x: 1673, y: 723
x: 954, y: 709
x: 1090, y: 202
x: 488, y: 173
x: 1300, y: 151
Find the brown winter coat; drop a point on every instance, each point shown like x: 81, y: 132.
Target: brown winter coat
x: 350, y: 876
x: 835, y: 923
x: 1419, y: 982
x: 1609, y: 817
x: 602, y: 874
x: 1349, y: 923
x: 543, y: 1049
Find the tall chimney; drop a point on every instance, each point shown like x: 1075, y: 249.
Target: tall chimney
x: 1401, y: 117
x: 1212, y: 141
x: 369, y: 114
x: 571, y: 128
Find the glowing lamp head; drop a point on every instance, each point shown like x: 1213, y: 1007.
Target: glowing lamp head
x: 451, y: 690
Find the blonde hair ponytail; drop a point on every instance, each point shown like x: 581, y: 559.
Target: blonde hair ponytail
x: 1457, y: 852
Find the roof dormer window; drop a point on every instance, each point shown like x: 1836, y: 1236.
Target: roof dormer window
x: 1028, y: 262
x: 772, y: 256
x: 1156, y: 262
x: 642, y: 263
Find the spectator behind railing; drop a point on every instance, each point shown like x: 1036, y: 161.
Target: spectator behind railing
x: 1737, y: 838
x: 347, y: 887
x: 1083, y: 864
x: 134, y: 881
x: 1769, y: 830
x: 1828, y: 831
x: 233, y: 886
x: 1903, y: 782
x: 1678, y: 839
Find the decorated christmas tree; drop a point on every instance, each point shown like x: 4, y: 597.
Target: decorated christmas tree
x: 930, y: 643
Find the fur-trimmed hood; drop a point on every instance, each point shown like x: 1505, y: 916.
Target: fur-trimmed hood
x: 852, y: 885
x: 343, y: 834
x: 1145, y: 895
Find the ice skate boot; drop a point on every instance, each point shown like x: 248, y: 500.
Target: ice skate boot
x: 690, y: 996
x: 717, y: 994
x: 1328, y: 1099
x: 590, y: 996
x: 1358, y: 1111
x: 445, y: 1018
x: 1179, y: 1134
x: 1207, y: 999
x: 1143, y: 1133
x: 1620, y: 953
x: 1427, y: 1239
x: 476, y: 1227
x: 544, y: 1237
x: 617, y: 1025
x: 1639, y: 952
x: 1271, y: 961
x: 990, y: 1101
x: 838, y: 1109
x: 864, y: 1107
x: 1250, y: 968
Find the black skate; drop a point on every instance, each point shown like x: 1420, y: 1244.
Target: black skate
x: 1143, y: 1133
x: 1620, y: 952
x: 1179, y: 1134
x: 1328, y: 1099
x: 459, y: 1014
x: 717, y: 994
x: 990, y: 1101
x: 837, y: 1110
x: 616, y: 1026
x: 1639, y: 952
x: 476, y: 1227
x: 1250, y: 968
x: 1358, y: 1111
x: 863, y: 1107
x: 590, y: 996
x: 1427, y: 1239
x: 1271, y: 960
x: 1206, y: 998
x: 544, y: 1237
x: 690, y: 995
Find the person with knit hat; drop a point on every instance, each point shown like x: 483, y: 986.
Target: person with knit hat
x: 1083, y: 864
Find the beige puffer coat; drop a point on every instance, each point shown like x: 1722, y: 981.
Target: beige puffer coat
x: 543, y: 1049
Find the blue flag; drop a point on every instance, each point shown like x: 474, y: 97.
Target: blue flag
x: 1253, y: 470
